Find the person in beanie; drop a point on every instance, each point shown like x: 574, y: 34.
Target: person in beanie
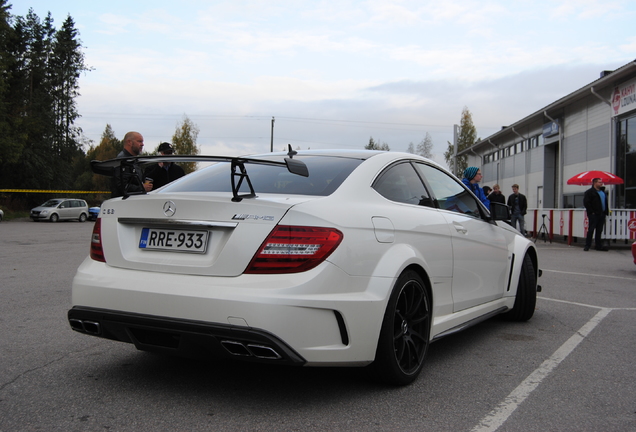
x: 472, y: 177
x: 164, y: 172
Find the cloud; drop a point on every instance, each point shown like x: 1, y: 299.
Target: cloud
x: 333, y: 72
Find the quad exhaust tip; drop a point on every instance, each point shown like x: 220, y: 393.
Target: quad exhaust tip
x: 250, y: 350
x: 83, y: 326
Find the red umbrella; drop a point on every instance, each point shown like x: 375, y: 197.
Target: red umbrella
x: 586, y: 177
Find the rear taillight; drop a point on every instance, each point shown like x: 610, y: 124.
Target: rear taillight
x: 97, y: 253
x: 293, y: 249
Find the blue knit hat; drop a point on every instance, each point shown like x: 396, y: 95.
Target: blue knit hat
x: 470, y: 173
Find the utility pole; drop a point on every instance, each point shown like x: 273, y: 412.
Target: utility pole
x: 271, y: 143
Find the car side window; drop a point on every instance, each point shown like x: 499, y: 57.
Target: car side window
x: 450, y: 194
x: 401, y: 183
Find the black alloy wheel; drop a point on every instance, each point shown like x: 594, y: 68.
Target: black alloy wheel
x: 405, y: 333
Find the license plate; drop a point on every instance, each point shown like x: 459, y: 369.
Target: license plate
x: 173, y: 240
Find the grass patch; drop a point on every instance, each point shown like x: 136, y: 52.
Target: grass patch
x: 10, y: 215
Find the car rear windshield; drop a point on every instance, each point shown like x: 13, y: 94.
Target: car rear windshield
x: 326, y: 173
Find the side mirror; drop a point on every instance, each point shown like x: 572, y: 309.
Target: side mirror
x: 499, y: 211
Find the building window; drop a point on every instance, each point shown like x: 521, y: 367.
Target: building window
x: 573, y: 201
x: 625, y: 161
x: 519, y: 147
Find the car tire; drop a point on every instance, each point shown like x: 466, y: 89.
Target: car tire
x: 405, y: 333
x: 82, y: 217
x: 54, y: 217
x: 526, y: 298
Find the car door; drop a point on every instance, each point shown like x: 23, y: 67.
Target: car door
x: 79, y: 207
x: 65, y: 210
x: 414, y: 220
x: 480, y: 251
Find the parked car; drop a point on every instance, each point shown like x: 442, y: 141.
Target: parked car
x: 61, y: 209
x: 1, y: 215
x: 93, y: 213
x: 634, y: 251
x: 321, y: 258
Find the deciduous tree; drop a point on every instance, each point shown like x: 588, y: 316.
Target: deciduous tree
x: 184, y: 141
x: 466, y: 138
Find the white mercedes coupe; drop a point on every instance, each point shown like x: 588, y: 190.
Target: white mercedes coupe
x: 310, y: 258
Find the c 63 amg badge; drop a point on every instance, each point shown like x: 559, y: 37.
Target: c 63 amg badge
x: 243, y: 216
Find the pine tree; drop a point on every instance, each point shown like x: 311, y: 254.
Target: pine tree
x: 40, y: 68
x: 9, y: 149
x: 425, y: 147
x: 32, y: 103
x: 65, y: 66
x: 376, y: 145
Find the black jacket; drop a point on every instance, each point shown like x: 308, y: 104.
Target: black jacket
x: 127, y: 178
x: 161, y: 177
x: 593, y: 204
x: 494, y: 197
x: 523, y: 203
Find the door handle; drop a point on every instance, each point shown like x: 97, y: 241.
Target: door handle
x: 460, y: 228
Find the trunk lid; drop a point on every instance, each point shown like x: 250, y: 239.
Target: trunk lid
x: 234, y: 230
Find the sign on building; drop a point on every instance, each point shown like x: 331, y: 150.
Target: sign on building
x: 550, y: 129
x: 624, y: 97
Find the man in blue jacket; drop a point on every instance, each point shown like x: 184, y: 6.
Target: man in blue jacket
x: 472, y: 177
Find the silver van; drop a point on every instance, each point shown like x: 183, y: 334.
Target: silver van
x: 61, y: 209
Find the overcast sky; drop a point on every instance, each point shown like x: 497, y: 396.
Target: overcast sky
x: 333, y: 73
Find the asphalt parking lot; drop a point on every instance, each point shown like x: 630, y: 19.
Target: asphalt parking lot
x: 570, y: 368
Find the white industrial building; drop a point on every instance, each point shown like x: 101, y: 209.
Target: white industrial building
x: 593, y: 128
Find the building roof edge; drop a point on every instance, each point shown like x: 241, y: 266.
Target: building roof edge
x: 577, y: 94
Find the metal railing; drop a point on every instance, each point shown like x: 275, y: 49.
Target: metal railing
x: 573, y: 223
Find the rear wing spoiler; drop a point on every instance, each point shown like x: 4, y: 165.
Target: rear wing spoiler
x: 238, y: 172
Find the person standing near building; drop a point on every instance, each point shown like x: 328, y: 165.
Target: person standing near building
x: 128, y: 177
x: 496, y: 195
x: 164, y: 172
x: 518, y: 206
x: 595, y: 202
x: 472, y: 177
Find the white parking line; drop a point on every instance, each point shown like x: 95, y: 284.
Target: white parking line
x: 589, y: 275
x: 500, y: 414
x: 583, y: 304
